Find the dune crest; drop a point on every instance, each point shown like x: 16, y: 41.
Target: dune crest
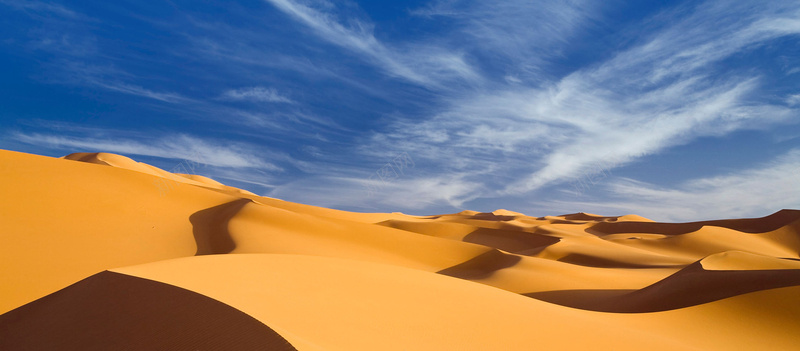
x: 77, y: 229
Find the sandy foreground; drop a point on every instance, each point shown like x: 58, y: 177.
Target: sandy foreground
x: 100, y: 252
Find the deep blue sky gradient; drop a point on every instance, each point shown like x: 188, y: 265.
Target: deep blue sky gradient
x: 674, y: 110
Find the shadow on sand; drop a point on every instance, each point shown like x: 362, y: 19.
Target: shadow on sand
x: 210, y: 228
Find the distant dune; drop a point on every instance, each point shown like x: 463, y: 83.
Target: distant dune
x: 100, y: 252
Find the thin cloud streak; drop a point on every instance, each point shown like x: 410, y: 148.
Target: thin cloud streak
x: 175, y: 147
x: 760, y: 190
x: 139, y: 91
x: 521, y: 35
x: 364, y: 194
x: 430, y: 67
x: 38, y: 6
x: 793, y: 100
x: 256, y: 94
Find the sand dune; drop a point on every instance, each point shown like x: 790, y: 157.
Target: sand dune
x: 98, y: 251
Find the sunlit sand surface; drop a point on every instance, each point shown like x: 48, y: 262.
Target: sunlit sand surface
x: 100, y: 252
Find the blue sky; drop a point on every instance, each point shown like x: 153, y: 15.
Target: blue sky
x: 674, y: 110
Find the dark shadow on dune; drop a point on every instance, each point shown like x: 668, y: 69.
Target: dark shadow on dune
x: 688, y: 287
x: 432, y: 217
x: 747, y: 225
x: 517, y: 242
x: 583, y: 299
x: 488, y: 216
x: 210, y: 227
x: 88, y: 157
x: 113, y: 311
x: 769, y: 223
x: 593, y: 261
x: 606, y: 228
x: 562, y: 221
x: 481, y: 266
x: 580, y: 216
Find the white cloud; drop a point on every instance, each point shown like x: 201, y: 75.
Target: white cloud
x: 752, y: 192
x: 424, y: 65
x: 171, y: 147
x: 522, y: 35
x: 406, y: 193
x: 793, y: 100
x: 421, y: 193
x: 622, y: 133
x: 75, y: 53
x: 243, y: 53
x: 138, y: 91
x: 258, y: 94
x: 39, y: 6
x: 714, y: 31
x: 107, y: 77
x: 662, y: 91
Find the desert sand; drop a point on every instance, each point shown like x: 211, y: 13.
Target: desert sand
x: 100, y: 252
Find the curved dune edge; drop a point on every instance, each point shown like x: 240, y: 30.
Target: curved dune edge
x: 118, y: 161
x: 65, y: 220
x: 112, y: 311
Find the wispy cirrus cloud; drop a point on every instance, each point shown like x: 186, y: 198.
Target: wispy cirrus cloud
x: 169, y: 147
x: 713, y: 31
x: 406, y: 194
x: 424, y: 65
x: 423, y: 192
x: 41, y: 7
x: 58, y: 29
x: 518, y: 36
x: 138, y: 91
x: 662, y: 91
x: 793, y: 100
x: 74, y: 49
x: 620, y: 133
x: 110, y: 78
x: 256, y: 94
x: 757, y: 191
